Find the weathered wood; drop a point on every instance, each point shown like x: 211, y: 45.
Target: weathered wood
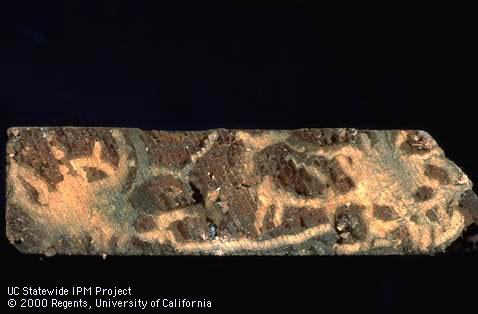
x: 220, y: 192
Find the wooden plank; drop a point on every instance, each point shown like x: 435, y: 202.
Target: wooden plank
x: 232, y: 192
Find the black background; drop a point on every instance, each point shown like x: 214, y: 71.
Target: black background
x: 273, y: 66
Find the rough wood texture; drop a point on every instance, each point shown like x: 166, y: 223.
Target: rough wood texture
x: 220, y: 192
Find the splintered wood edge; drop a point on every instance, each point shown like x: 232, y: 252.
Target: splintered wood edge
x: 232, y: 192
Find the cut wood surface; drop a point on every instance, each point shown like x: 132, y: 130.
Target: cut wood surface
x: 73, y: 190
